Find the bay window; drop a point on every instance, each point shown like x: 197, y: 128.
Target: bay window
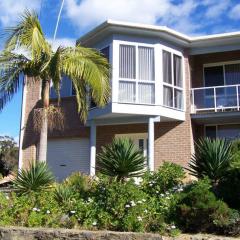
x: 136, y: 74
x: 172, y: 80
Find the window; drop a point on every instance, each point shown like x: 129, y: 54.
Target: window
x: 223, y: 74
x: 228, y: 131
x: 136, y: 74
x: 172, y: 80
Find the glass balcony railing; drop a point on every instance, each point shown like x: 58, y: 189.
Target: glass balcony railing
x: 216, y: 99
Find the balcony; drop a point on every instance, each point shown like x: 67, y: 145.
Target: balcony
x: 215, y: 99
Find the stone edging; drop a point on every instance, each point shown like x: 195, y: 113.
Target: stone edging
x: 21, y: 233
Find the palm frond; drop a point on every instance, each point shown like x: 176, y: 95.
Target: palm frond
x: 92, y: 68
x: 82, y: 98
x: 11, y: 66
x: 27, y: 34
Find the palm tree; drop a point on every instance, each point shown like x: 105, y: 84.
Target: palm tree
x: 87, y: 69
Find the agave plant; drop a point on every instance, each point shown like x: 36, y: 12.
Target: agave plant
x: 121, y: 159
x: 36, y: 178
x: 212, y: 158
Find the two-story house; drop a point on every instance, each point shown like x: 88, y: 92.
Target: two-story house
x: 168, y: 89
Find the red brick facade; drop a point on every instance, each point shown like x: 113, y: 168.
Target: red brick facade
x: 173, y: 140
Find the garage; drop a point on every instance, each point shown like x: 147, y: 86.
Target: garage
x: 65, y: 156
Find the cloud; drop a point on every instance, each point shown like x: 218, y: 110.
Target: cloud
x: 188, y: 16
x: 12, y: 9
x: 215, y: 8
x: 234, y: 12
x: 64, y: 42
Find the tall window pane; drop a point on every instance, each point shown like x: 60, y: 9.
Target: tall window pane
x: 127, y: 62
x: 178, y: 99
x: 146, y: 63
x: 213, y: 76
x: 167, y: 67
x: 177, y: 70
x: 232, y: 74
x: 168, y: 96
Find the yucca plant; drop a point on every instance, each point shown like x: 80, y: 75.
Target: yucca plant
x: 36, y: 178
x: 121, y: 159
x: 212, y: 158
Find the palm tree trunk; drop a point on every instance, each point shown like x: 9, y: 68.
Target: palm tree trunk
x: 42, y: 154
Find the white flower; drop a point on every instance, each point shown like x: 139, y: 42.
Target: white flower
x: 34, y: 209
x: 162, y: 195
x: 145, y: 210
x: 90, y: 200
x: 72, y: 212
x: 38, y: 210
x: 48, y: 212
x: 150, y: 184
x: 133, y: 203
x: 139, y: 218
x: 94, y: 223
x: 7, y: 197
x: 144, y: 200
x: 157, y: 191
x: 167, y: 193
x: 167, y: 197
x: 139, y: 202
x: 173, y: 227
x: 127, y: 206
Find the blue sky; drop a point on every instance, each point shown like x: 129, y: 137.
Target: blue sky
x: 193, y: 17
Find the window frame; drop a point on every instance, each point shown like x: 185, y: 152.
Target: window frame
x: 137, y: 81
x: 172, y: 85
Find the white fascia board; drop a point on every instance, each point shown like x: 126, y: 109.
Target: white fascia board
x: 149, y: 110
x: 172, y: 35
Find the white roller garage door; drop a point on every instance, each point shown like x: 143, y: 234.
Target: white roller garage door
x: 65, y: 156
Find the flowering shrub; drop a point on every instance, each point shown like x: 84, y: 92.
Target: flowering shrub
x: 103, y: 203
x: 167, y: 178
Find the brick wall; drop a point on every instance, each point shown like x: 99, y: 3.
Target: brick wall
x: 173, y: 140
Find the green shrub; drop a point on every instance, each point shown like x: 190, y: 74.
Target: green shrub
x: 35, y: 179
x: 198, y: 209
x: 32, y: 210
x: 63, y: 195
x: 212, y: 158
x: 167, y: 178
x: 79, y: 182
x: 121, y: 159
x: 228, y: 187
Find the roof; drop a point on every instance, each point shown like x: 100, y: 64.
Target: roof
x: 111, y: 27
